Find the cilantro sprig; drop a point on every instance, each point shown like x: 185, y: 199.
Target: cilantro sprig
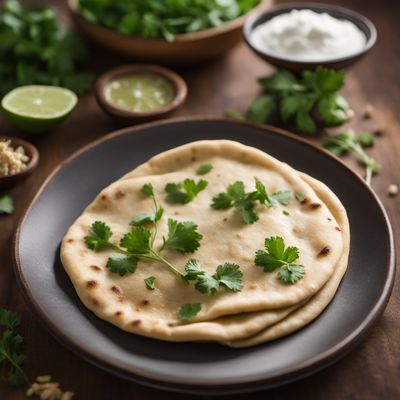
x: 349, y: 142
x: 245, y: 202
x: 228, y: 276
x: 276, y: 255
x: 303, y: 101
x: 204, y: 169
x: 184, y: 192
x: 11, y: 357
x: 138, y: 244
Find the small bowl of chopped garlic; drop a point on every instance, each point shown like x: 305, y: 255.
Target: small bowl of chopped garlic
x: 300, y: 36
x: 18, y: 159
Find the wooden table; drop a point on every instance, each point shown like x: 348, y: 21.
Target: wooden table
x: 371, y: 371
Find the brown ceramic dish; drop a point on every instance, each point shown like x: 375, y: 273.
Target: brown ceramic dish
x: 201, y: 368
x: 31, y: 151
x: 364, y: 24
x: 130, y: 117
x: 187, y: 48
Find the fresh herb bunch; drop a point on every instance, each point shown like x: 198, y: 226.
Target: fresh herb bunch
x: 36, y: 49
x: 11, y: 357
x: 245, y: 202
x: 277, y: 256
x: 314, y: 96
x: 350, y: 142
x: 162, y: 19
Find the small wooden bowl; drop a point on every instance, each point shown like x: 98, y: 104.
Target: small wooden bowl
x: 363, y: 23
x: 189, y: 48
x: 31, y: 151
x: 129, y: 117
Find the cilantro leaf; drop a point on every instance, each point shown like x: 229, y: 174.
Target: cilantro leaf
x: 148, y: 189
x: 193, y: 269
x: 276, y: 256
x: 11, y: 357
x: 182, y: 236
x: 99, y: 236
x: 188, y: 311
x: 206, y: 284
x: 261, y: 109
x: 9, y: 319
x: 184, y: 192
x: 333, y: 109
x: 245, y: 203
x: 299, y: 196
x: 283, y: 197
x: 366, y: 139
x: 150, y: 218
x: 230, y: 276
x: 204, y: 169
x: 150, y: 282
x: 6, y: 205
x: 137, y: 241
x: 122, y: 264
x: 291, y: 273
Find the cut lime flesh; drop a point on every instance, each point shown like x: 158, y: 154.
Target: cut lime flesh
x: 38, y: 108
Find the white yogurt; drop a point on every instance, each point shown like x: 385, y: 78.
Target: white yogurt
x: 304, y: 35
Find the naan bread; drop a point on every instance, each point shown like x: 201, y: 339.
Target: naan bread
x: 308, y: 312
x: 125, y: 301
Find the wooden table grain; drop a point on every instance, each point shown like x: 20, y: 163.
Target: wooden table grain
x: 371, y: 370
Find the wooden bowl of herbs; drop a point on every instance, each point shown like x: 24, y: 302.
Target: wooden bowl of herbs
x: 182, y: 36
x: 18, y: 159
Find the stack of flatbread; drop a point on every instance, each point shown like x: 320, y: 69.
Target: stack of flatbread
x: 265, y: 309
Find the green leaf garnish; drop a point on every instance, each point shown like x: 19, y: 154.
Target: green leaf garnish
x: 348, y: 142
x: 290, y: 274
x: 204, y: 169
x: 245, y: 203
x: 122, y: 264
x: 137, y: 241
x: 188, y: 311
x: 276, y: 255
x: 98, y: 237
x: 11, y: 356
x: 185, y: 192
x: 150, y: 282
x: 6, y: 205
x: 297, y: 98
x: 182, y: 237
x: 299, y: 196
x: 227, y: 275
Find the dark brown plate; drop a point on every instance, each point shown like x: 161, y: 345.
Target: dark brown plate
x: 201, y: 367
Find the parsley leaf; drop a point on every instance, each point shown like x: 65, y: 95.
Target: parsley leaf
x: 122, y: 264
x: 184, y: 192
x: 204, y: 169
x: 11, y: 357
x: 276, y: 255
x: 98, y: 237
x: 182, y: 236
x: 6, y: 205
x: 188, y: 311
x: 245, y: 203
x: 150, y: 282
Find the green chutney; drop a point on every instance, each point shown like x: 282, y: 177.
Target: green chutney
x: 140, y: 92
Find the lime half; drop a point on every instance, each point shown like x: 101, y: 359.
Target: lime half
x: 37, y: 108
